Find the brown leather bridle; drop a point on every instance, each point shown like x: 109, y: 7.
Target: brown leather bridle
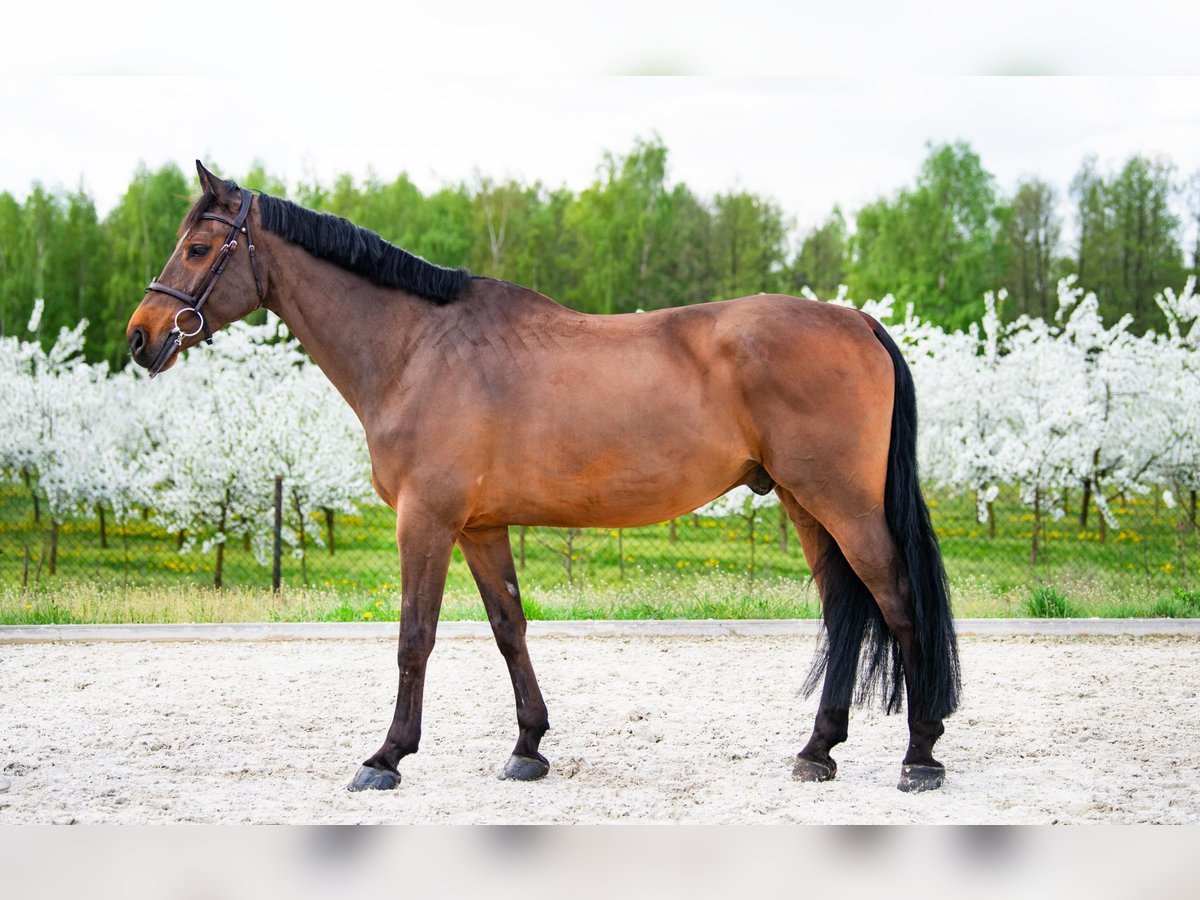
x: 193, y: 303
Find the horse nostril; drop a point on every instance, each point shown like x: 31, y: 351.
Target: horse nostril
x: 137, y: 340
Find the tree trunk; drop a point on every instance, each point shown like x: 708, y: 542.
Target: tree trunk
x: 303, y: 541
x: 329, y: 514
x: 180, y: 537
x: 991, y: 508
x: 1192, y: 504
x: 783, y: 529
x: 1084, y: 503
x: 125, y: 549
x: 37, y: 508
x: 37, y: 574
x: 674, y: 536
x: 54, y: 526
x: 521, y: 546
x: 219, y: 570
x: 1037, y: 526
x: 103, y: 528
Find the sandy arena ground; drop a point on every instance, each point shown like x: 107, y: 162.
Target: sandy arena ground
x: 660, y: 729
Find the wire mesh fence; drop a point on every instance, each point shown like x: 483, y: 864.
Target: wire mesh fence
x: 353, y: 555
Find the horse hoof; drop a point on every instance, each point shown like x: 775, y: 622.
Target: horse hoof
x: 811, y: 770
x: 915, y: 779
x: 525, y: 768
x: 369, y: 779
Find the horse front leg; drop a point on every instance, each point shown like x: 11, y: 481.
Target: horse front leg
x: 489, y: 555
x: 425, y: 544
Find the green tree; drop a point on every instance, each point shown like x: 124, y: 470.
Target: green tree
x: 1192, y: 200
x: 621, y: 221
x: 14, y: 292
x: 259, y: 179
x: 1128, y: 247
x: 548, y: 261
x: 821, y: 263
x: 687, y: 269
x: 934, y: 245
x: 1029, y: 237
x: 501, y: 227
x: 748, y: 245
x: 86, y: 268
x: 41, y: 226
x: 444, y: 232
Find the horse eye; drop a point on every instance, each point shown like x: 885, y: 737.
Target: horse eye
x: 197, y: 250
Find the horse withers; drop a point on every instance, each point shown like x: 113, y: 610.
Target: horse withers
x: 487, y: 405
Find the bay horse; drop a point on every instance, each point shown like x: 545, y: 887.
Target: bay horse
x: 487, y: 405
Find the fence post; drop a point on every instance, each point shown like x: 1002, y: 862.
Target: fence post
x: 277, y: 547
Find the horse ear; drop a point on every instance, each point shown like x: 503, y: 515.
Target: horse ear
x: 211, y: 184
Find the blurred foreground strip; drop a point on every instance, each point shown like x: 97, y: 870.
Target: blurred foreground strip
x: 186, y: 862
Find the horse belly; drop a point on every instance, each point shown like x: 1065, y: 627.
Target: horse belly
x: 621, y: 464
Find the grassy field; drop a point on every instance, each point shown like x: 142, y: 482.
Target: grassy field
x: 697, y: 568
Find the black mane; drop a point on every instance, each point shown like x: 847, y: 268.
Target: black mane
x: 361, y: 251
x: 344, y: 244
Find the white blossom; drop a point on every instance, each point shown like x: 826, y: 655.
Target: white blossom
x: 1031, y: 405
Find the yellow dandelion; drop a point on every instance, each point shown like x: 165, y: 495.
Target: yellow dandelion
x: 368, y: 615
x: 379, y: 604
x: 29, y: 606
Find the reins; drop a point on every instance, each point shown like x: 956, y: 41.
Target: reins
x: 193, y: 303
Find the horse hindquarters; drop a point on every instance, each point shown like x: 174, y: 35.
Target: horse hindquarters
x: 882, y: 583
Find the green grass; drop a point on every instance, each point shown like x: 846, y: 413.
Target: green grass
x: 699, y: 569
x: 715, y: 597
x: 1049, y: 603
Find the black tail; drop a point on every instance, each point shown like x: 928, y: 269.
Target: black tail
x: 853, y: 618
x: 853, y: 622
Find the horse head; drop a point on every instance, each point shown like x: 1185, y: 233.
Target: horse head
x: 208, y: 282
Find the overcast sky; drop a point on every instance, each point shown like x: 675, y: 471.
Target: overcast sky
x: 526, y: 88
x: 808, y: 143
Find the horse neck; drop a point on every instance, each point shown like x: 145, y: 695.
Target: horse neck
x: 361, y: 335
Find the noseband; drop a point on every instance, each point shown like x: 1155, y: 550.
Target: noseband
x: 193, y: 303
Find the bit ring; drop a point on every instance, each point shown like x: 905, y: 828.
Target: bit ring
x: 199, y: 315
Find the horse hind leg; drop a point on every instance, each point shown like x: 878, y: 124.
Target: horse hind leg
x: 837, y: 659
x: 489, y: 556
x: 869, y: 549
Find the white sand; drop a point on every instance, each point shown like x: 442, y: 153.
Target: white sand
x: 644, y: 729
